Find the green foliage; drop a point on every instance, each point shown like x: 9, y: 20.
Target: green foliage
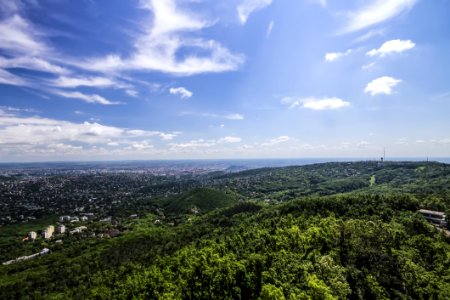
x: 204, y: 199
x: 360, y: 242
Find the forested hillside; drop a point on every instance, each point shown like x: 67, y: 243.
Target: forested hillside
x: 326, y: 231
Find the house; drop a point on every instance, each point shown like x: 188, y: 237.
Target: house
x: 61, y: 229
x: 435, y: 217
x: 32, y: 235
x: 78, y: 229
x: 64, y: 218
x: 48, y: 232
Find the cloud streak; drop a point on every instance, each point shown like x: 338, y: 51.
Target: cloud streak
x: 94, y: 98
x: 249, y: 6
x: 377, y: 11
x: 18, y: 36
x: 313, y: 103
x: 157, y: 49
x: 234, y: 116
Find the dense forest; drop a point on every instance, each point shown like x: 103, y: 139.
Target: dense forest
x: 325, y: 231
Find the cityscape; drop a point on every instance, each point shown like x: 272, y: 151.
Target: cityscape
x: 242, y: 149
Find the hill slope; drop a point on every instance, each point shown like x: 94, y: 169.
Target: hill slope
x: 201, y: 199
x: 364, y: 241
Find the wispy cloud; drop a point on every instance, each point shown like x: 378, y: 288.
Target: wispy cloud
x: 181, y: 91
x: 368, y: 66
x: 382, y: 85
x: 392, y: 46
x: 132, y: 92
x: 229, y: 139
x: 156, y: 48
x: 248, y: 6
x: 40, y: 132
x: 233, y: 116
x: 94, y: 98
x: 18, y: 36
x: 369, y: 35
x: 73, y: 82
x: 202, y: 143
x: 270, y: 28
x: 441, y: 141
x: 11, y: 79
x: 276, y: 141
x: 32, y: 63
x: 376, y: 11
x: 332, y: 56
x: 315, y: 103
x: 157, y: 45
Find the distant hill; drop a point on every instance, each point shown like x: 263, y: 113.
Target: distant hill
x: 204, y: 199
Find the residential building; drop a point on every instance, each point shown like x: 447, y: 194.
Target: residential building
x: 435, y: 217
x: 61, y: 228
x: 32, y: 235
x: 48, y: 232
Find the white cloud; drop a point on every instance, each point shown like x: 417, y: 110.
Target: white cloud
x: 369, y: 35
x: 15, y: 110
x: 270, y: 28
x: 276, y: 141
x: 440, y: 141
x: 376, y: 11
x: 11, y: 79
x: 332, y: 56
x: 248, y: 6
x: 392, y: 46
x: 229, y: 139
x: 325, y: 103
x: 368, y: 66
x: 234, y: 117
x: 200, y: 143
x: 181, y: 91
x: 73, y: 82
x: 315, y: 103
x: 140, y: 146
x: 168, y: 18
x: 17, y: 35
x: 34, y: 130
x: 382, y: 85
x: 132, y: 92
x: 156, y: 49
x: 37, y: 137
x: 86, y: 98
x: 32, y: 63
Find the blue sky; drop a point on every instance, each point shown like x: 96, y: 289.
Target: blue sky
x: 172, y: 79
